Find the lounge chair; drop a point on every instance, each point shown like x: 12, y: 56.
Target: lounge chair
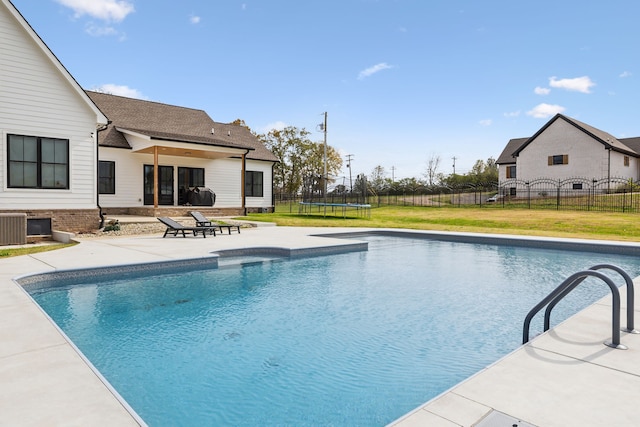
x: 174, y: 227
x: 202, y: 221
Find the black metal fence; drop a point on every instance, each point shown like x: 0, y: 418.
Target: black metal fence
x: 606, y: 195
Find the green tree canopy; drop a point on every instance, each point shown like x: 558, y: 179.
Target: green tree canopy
x: 301, y: 166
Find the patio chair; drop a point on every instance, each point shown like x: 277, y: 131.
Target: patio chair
x: 202, y: 221
x: 174, y: 227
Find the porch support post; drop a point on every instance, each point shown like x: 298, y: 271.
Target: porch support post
x: 155, y: 177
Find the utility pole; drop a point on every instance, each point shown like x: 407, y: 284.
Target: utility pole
x: 454, y: 164
x: 325, y: 158
x: 349, y: 157
x: 323, y: 128
x: 393, y: 174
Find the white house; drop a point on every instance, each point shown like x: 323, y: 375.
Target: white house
x: 70, y: 156
x: 189, y: 151
x: 565, y: 148
x: 48, y: 160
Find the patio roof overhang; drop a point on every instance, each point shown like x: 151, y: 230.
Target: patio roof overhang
x: 147, y: 144
x: 165, y: 145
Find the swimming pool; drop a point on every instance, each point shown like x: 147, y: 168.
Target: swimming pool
x: 351, y: 339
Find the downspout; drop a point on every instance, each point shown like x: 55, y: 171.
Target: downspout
x: 242, y: 183
x: 98, y: 130
x: 273, y: 194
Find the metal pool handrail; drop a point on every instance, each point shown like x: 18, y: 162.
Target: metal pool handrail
x: 571, y: 282
x: 630, y: 297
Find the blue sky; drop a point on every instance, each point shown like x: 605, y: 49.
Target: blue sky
x: 401, y: 80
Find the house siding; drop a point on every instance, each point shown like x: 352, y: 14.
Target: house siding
x: 36, y: 99
x: 267, y: 196
x: 586, y: 156
x: 502, y: 171
x: 225, y: 179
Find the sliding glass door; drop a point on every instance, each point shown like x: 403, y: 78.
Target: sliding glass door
x: 165, y: 185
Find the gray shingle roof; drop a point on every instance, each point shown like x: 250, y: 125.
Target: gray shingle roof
x: 507, y: 154
x: 170, y: 122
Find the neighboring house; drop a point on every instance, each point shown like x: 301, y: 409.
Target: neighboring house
x: 565, y: 148
x: 188, y: 150
x: 48, y: 160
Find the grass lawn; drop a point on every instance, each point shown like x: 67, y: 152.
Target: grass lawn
x: 551, y: 223
x: 531, y: 222
x: 8, y: 252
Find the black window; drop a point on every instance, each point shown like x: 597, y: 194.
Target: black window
x: 560, y: 159
x: 36, y: 162
x: 190, y: 177
x: 577, y: 186
x: 107, y: 177
x: 253, y: 184
x: 511, y: 172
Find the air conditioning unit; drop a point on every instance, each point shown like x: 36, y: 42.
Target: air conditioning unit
x: 13, y: 228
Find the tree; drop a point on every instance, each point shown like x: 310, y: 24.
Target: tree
x: 377, y: 181
x: 491, y: 171
x: 313, y: 167
x: 360, y: 186
x: 240, y: 122
x: 484, y: 172
x: 431, y: 174
x: 410, y: 185
x: 301, y: 166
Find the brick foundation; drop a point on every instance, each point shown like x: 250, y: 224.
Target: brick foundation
x: 72, y: 220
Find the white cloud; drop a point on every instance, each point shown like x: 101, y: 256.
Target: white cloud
x: 194, y: 19
x: 279, y: 125
x: 512, y: 114
x: 542, y: 111
x: 372, y: 70
x: 107, y: 10
x: 120, y: 90
x: 541, y: 90
x: 579, y: 84
x: 485, y: 122
x: 625, y: 74
x: 98, y: 31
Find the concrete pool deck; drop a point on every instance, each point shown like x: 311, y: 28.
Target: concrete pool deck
x: 564, y: 377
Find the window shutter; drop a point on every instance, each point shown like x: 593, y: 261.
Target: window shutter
x: 508, y: 172
x: 565, y: 159
x: 550, y: 160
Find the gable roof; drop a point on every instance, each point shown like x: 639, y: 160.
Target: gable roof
x: 632, y: 143
x: 101, y: 120
x: 507, y: 154
x: 171, y: 123
x: 608, y: 140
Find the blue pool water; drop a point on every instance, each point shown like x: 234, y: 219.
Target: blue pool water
x: 355, y: 339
